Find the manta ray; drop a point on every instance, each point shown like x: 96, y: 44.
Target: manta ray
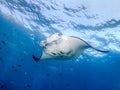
x: 63, y: 47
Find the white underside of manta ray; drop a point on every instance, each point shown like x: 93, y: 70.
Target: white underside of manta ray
x: 63, y: 47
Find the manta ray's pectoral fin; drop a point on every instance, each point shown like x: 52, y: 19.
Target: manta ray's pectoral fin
x: 88, y: 45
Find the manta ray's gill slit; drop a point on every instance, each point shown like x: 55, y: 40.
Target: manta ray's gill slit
x: 69, y: 52
x: 61, y: 52
x: 53, y: 53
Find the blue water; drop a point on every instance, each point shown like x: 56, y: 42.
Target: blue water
x: 23, y: 24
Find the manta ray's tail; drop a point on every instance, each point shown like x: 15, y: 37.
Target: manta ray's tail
x: 104, y: 51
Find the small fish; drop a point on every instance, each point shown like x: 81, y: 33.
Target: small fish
x: 19, y: 65
x: 0, y: 58
x: 3, y: 42
x: 2, y: 86
x: 27, y: 86
x: 13, y: 67
x: 15, y: 70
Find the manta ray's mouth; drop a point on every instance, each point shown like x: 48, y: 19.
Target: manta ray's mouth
x: 43, y: 43
x: 55, y: 38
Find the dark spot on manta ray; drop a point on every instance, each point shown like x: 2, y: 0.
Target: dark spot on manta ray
x: 61, y: 55
x: 2, y: 86
x: 54, y: 53
x: 0, y: 48
x: 68, y: 52
x: 3, y: 42
x: 61, y: 52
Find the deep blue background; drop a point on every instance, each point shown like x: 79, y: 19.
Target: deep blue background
x: 18, y: 71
